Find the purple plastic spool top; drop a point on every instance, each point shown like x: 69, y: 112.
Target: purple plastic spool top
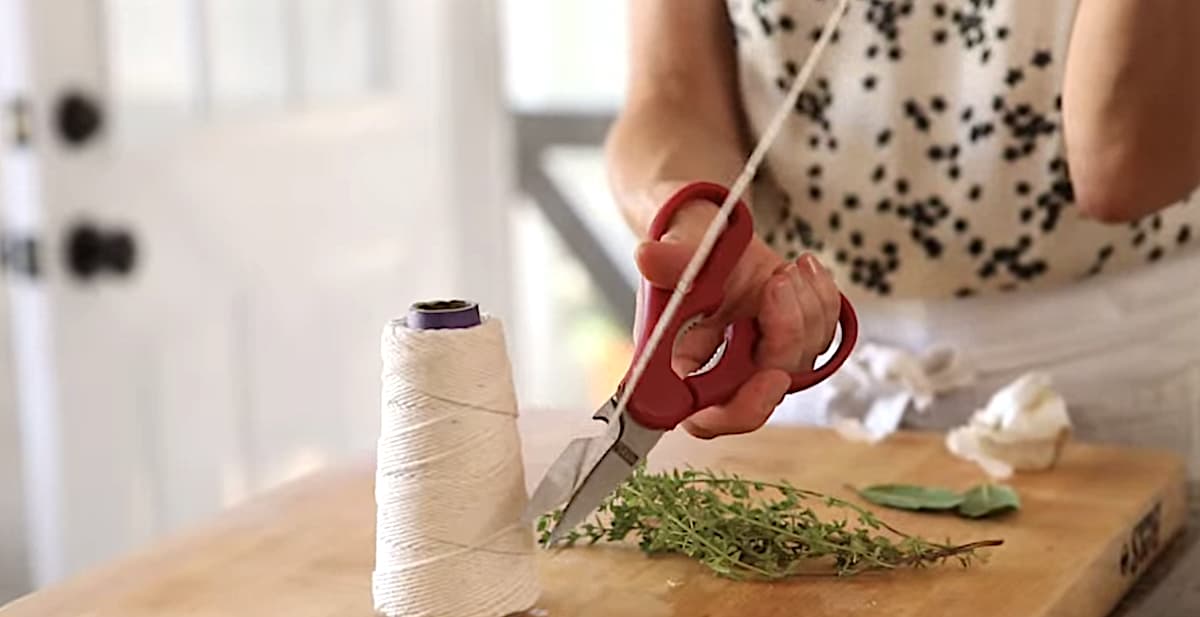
x: 443, y: 314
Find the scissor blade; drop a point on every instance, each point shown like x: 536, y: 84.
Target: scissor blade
x: 563, y: 477
x: 613, y: 468
x: 606, y: 476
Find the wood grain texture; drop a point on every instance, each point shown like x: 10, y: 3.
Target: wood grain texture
x: 1086, y: 531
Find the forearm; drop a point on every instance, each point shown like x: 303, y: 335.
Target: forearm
x: 682, y: 119
x: 657, y: 145
x: 1131, y: 105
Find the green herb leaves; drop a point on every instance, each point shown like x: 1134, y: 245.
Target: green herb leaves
x: 988, y: 499
x: 751, y: 529
x: 911, y: 497
x: 978, y: 502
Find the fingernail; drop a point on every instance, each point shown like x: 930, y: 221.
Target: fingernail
x: 787, y: 382
x: 784, y: 292
x: 814, y: 265
x: 793, y: 272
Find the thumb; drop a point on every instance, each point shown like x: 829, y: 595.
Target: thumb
x: 662, y: 262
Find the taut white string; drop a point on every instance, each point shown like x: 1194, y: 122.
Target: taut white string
x: 450, y: 486
x: 717, y: 225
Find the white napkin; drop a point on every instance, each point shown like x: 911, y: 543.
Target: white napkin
x: 1021, y: 428
x: 872, y: 392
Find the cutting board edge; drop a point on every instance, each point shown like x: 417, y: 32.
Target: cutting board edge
x: 1128, y: 556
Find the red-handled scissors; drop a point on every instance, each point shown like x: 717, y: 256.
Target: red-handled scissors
x: 591, y: 468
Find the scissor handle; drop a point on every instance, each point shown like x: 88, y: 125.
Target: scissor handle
x: 662, y: 399
x: 736, y: 364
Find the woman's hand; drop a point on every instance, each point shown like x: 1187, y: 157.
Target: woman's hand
x: 796, y: 305
x: 682, y: 120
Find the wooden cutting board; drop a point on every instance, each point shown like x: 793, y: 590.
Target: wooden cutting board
x: 1086, y: 531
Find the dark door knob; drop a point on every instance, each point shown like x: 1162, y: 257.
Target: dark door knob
x: 79, y: 118
x: 120, y: 252
x: 92, y: 251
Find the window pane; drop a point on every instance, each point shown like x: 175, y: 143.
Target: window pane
x: 335, y: 38
x: 247, y: 54
x: 565, y: 54
x: 153, y: 69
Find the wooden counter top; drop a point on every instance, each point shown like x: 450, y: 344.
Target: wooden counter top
x: 1085, y: 533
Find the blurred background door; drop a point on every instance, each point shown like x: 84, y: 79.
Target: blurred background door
x: 565, y: 67
x: 226, y: 200
x: 12, y: 545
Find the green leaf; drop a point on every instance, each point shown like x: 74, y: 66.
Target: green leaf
x: 987, y: 499
x: 911, y: 497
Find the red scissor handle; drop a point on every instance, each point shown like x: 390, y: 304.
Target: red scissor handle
x: 662, y: 399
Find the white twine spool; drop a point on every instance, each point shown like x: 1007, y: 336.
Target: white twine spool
x: 450, y: 486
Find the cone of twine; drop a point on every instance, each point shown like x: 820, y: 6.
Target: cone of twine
x: 450, y: 485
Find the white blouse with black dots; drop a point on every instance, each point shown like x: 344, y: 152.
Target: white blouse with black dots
x: 925, y: 158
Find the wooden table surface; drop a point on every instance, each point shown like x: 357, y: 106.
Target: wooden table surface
x: 1086, y: 532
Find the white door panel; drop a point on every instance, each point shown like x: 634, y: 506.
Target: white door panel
x: 244, y: 349
x: 271, y: 248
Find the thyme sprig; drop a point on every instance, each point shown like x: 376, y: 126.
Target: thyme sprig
x: 749, y: 529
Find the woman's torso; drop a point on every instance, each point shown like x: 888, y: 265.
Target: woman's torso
x: 926, y: 156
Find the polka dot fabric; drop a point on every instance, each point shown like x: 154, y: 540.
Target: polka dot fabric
x: 926, y: 160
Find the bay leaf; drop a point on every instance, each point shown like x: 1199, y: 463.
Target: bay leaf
x: 911, y: 497
x: 987, y: 499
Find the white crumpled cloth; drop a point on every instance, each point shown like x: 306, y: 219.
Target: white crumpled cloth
x: 867, y: 399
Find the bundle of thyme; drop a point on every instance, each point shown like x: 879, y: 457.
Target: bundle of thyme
x: 745, y: 529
